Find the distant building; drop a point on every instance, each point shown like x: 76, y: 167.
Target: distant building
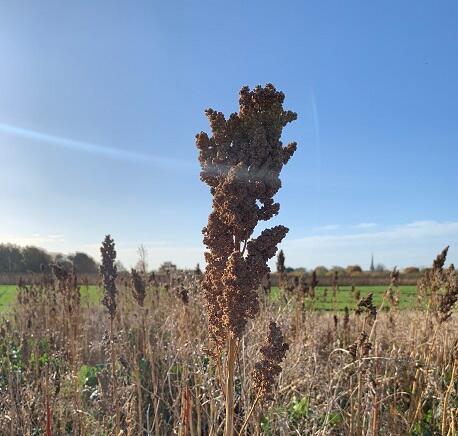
x: 372, y: 267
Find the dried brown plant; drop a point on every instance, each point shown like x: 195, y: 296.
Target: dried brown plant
x: 109, y: 273
x: 241, y: 162
x: 138, y: 287
x: 366, y: 304
x: 268, y: 368
x: 449, y: 298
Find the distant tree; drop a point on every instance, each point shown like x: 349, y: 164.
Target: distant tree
x: 354, y: 269
x: 167, y: 267
x: 411, y: 270
x: 63, y: 261
x: 380, y: 268
x: 34, y: 257
x: 321, y: 270
x: 11, y: 260
x: 142, y: 263
x: 83, y: 263
x: 338, y: 269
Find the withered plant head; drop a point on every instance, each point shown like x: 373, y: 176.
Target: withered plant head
x: 68, y: 286
x: 266, y: 284
x: 361, y: 347
x: 394, y: 277
x: 182, y: 294
x: 241, y: 163
x: 313, y: 280
x: 357, y: 294
x: 109, y: 273
x: 335, y: 279
x: 366, y: 305
x: 390, y: 292
x: 336, y: 321
x: 152, y: 280
x: 302, y: 287
x: 346, y: 319
x: 60, y: 273
x: 440, y: 286
x: 450, y: 297
x: 268, y: 368
x: 138, y: 287
x: 281, y: 262
x: 439, y: 262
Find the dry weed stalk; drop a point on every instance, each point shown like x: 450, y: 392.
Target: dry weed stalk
x: 109, y: 273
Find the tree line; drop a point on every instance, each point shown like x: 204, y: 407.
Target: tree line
x: 15, y: 259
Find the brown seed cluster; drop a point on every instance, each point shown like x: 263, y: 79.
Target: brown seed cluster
x: 450, y: 297
x: 281, y: 262
x: 366, y: 305
x: 67, y: 285
x: 392, y: 295
x: 269, y: 368
x: 439, y: 262
x: 241, y: 162
x: 313, y: 284
x: 361, y: 347
x: 301, y: 286
x: 138, y: 287
x: 440, y: 286
x: 109, y: 273
x: 346, y: 320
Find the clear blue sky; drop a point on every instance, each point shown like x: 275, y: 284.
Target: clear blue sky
x: 100, y: 102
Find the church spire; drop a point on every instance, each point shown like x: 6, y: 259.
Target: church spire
x: 372, y: 267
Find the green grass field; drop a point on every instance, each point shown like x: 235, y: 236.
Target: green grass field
x: 92, y: 295
x: 89, y: 295
x: 344, y: 297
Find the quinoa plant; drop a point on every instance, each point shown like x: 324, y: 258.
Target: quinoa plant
x: 109, y: 273
x: 241, y: 163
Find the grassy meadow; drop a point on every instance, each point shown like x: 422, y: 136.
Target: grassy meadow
x: 324, y: 300
x: 89, y: 295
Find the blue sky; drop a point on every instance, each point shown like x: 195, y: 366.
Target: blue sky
x: 100, y: 102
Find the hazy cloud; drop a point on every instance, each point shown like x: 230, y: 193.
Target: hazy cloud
x: 365, y: 225
x: 34, y: 239
x: 415, y: 243
x: 327, y: 227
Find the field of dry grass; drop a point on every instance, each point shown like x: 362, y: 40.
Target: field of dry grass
x: 357, y: 373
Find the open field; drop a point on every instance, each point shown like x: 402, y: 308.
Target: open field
x: 89, y: 294
x: 334, y: 377
x: 344, y: 298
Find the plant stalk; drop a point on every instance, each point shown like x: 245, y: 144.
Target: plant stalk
x: 230, y: 367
